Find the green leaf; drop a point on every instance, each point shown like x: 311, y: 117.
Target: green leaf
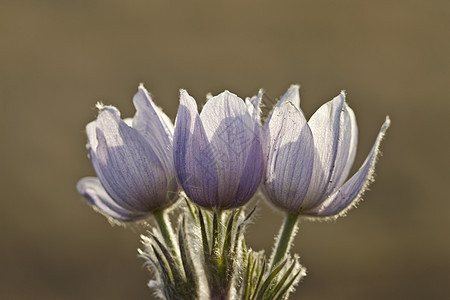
x: 178, y: 277
x: 204, y: 230
x: 269, y: 279
x: 281, y: 282
x: 288, y: 287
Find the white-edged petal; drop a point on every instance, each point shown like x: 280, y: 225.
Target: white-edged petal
x: 156, y: 127
x: 326, y: 126
x: 254, y: 106
x: 292, y: 95
x: 193, y: 156
x: 348, y: 194
x: 290, y: 157
x: 350, y: 135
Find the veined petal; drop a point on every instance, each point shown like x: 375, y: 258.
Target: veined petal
x: 92, y: 190
x: 125, y: 164
x: 193, y: 156
x: 290, y: 157
x: 292, y: 95
x: 346, y: 150
x: 326, y: 126
x: 156, y: 127
x: 347, y: 195
x: 349, y: 142
x: 234, y: 136
x: 251, y: 176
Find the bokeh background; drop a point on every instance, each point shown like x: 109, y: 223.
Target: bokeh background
x: 58, y: 58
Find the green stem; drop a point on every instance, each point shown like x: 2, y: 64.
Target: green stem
x: 167, y: 234
x: 287, y: 233
x: 219, y: 287
x: 217, y: 224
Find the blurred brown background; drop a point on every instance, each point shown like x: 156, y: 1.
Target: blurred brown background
x: 58, y: 58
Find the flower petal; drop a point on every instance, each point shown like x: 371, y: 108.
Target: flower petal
x: 347, y: 195
x: 292, y: 95
x: 193, y: 156
x: 92, y: 190
x: 156, y: 127
x: 326, y: 127
x: 290, y: 157
x: 347, y: 150
x: 236, y: 143
x: 125, y: 164
x: 254, y: 106
x: 251, y: 175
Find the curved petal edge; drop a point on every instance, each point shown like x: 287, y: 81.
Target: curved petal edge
x: 350, y: 193
x: 93, y: 192
x: 290, y: 157
x: 192, y: 154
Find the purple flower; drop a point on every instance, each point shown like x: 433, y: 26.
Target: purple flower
x: 218, y: 154
x: 133, y: 163
x: 309, y: 162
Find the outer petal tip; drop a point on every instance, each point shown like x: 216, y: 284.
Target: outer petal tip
x: 155, y: 126
x: 254, y: 106
x: 291, y: 95
x: 387, y: 123
x: 183, y: 93
x: 142, y: 91
x: 107, y: 112
x: 340, y: 99
x: 184, y: 96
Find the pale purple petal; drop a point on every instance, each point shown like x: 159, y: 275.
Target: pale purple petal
x: 292, y: 95
x: 235, y: 140
x: 326, y: 127
x: 193, y: 156
x: 290, y: 157
x: 92, y: 190
x: 156, y: 127
x: 347, y: 195
x: 254, y: 108
x: 251, y: 175
x: 346, y: 150
x: 126, y: 165
x: 350, y: 134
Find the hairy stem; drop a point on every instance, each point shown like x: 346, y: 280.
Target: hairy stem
x: 283, y: 243
x: 167, y: 234
x: 218, y: 283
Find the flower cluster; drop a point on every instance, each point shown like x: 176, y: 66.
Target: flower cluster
x: 218, y: 159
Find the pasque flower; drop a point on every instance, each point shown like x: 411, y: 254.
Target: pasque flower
x: 308, y: 162
x: 133, y: 163
x: 218, y: 153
